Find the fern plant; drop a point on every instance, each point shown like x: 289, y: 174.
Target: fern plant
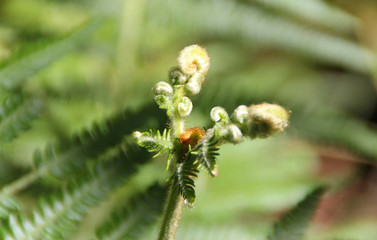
x: 74, y: 112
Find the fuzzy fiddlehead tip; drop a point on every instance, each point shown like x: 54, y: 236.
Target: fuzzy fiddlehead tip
x: 193, y: 59
x: 267, y: 119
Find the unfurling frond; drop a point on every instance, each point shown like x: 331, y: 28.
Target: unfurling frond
x: 293, y: 225
x: 202, y: 156
x: 131, y: 221
x: 183, y: 178
x: 205, y: 154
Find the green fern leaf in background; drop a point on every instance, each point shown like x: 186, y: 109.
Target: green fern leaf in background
x: 16, y: 115
x: 14, y: 73
x: 7, y: 206
x: 68, y: 155
x: 226, y: 18
x: 59, y: 217
x: 293, y: 225
x: 315, y: 11
x: 132, y: 221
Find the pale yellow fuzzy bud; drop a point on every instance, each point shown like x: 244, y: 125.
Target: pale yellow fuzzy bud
x: 234, y: 134
x: 267, y: 119
x: 193, y: 59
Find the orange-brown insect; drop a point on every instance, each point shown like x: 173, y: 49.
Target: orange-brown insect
x: 192, y: 136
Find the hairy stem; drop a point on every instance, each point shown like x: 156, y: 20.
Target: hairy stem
x: 172, y: 214
x: 174, y: 204
x: 177, y: 122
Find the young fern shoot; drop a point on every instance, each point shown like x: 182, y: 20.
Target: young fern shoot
x: 191, y: 150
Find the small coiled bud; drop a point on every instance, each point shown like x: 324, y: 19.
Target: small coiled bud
x: 267, y: 119
x: 193, y: 88
x: 177, y: 78
x: 241, y: 115
x: 193, y: 59
x: 219, y: 114
x: 136, y: 135
x: 234, y: 134
x: 184, y: 107
x: 163, y: 88
x: 163, y: 102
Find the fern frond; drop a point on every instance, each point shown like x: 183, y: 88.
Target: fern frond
x: 130, y: 222
x: 16, y: 114
x: 338, y: 129
x: 8, y: 206
x: 227, y: 18
x: 71, y: 154
x: 293, y: 225
x: 206, y: 153
x: 156, y: 142
x: 67, y: 157
x: 318, y: 12
x: 183, y: 177
x: 14, y: 73
x: 59, y: 217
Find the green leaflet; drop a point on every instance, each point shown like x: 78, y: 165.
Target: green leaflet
x: 292, y: 226
x: 206, y: 153
x: 203, y: 156
x: 132, y: 221
x: 183, y: 178
x: 69, y: 155
x: 18, y: 70
x: 57, y: 218
x: 16, y: 114
x: 7, y: 206
x: 156, y: 142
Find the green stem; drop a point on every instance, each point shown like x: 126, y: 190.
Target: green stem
x: 172, y: 214
x: 174, y: 204
x: 20, y: 184
x: 177, y: 122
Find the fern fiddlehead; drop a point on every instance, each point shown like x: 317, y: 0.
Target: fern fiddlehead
x: 196, y: 148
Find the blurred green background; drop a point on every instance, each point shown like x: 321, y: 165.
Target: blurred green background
x: 315, y: 57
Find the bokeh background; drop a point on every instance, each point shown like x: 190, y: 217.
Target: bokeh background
x: 315, y: 57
